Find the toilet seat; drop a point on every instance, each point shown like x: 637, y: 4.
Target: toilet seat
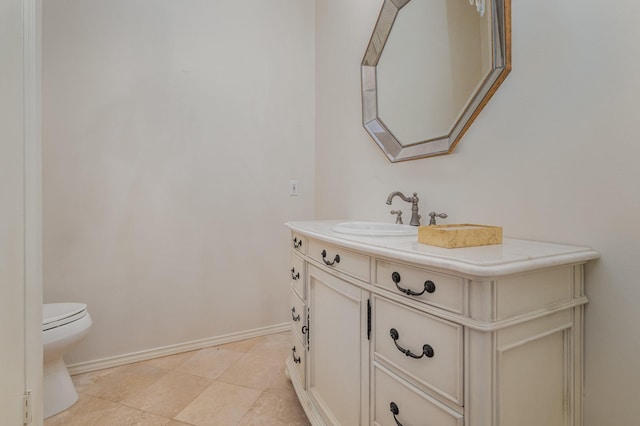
x: 59, y: 314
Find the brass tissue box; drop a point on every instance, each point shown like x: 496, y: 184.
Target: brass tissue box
x: 461, y: 235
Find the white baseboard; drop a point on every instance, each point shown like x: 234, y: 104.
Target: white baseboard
x: 115, y: 361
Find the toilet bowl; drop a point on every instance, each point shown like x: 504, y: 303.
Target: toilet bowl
x: 63, y: 325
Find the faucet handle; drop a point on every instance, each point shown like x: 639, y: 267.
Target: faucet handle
x: 399, y: 215
x: 433, y: 216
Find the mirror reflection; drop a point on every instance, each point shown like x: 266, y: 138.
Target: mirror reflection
x: 430, y: 67
x: 421, y: 97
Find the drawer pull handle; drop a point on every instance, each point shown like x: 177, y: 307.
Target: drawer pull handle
x: 295, y: 275
x: 293, y: 353
x: 393, y: 407
x: 293, y: 315
x: 305, y: 329
x: 336, y: 259
x: 429, y: 286
x: 297, y: 243
x: 427, y: 350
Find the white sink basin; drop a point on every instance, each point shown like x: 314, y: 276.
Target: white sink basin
x: 375, y: 229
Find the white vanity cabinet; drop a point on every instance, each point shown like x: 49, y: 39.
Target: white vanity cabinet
x: 400, y: 333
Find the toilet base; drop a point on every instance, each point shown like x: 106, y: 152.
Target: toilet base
x: 57, y: 387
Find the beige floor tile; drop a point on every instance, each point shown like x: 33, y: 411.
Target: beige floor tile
x: 125, y: 382
x: 83, y: 381
x: 126, y: 416
x: 281, y: 385
x: 219, y: 404
x: 261, y: 367
x: 176, y: 390
x: 277, y: 338
x: 169, y: 395
x: 210, y: 362
x: 178, y: 423
x: 273, y: 410
x: 170, y: 362
x: 87, y: 411
x: 275, y: 346
x: 254, y: 370
x: 242, y: 345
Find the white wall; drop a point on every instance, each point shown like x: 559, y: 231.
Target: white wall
x: 170, y: 133
x: 554, y: 156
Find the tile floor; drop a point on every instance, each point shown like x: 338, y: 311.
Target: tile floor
x: 240, y: 383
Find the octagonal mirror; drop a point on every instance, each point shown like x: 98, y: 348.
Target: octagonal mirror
x: 429, y: 69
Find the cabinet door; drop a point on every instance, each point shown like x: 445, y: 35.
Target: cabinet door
x: 337, y: 323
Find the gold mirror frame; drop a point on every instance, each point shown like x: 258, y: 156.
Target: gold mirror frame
x: 384, y: 138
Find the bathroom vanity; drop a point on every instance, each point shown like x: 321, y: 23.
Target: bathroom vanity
x: 387, y: 331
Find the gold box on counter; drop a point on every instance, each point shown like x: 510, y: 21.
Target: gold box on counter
x: 461, y: 235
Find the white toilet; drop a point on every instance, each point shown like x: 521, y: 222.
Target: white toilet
x: 63, y: 325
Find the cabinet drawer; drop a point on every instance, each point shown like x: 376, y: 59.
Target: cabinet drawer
x: 299, y: 243
x: 298, y: 354
x: 298, y: 317
x: 436, y: 347
x: 335, y: 257
x: 397, y: 402
x: 297, y: 275
x: 425, y: 286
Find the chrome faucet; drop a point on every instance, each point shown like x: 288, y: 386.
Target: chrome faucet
x: 415, y: 217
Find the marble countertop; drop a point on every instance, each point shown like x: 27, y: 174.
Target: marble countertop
x: 510, y: 257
